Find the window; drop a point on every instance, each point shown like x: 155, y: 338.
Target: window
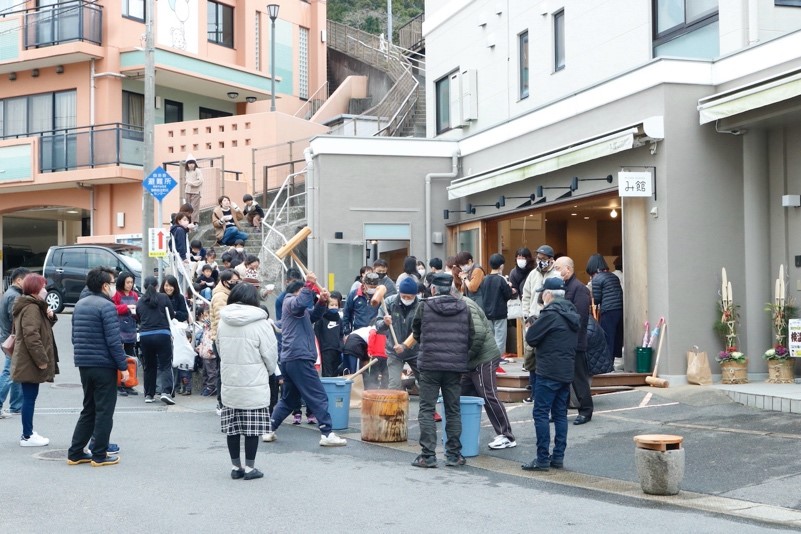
x: 134, y: 9
x: 559, y: 40
x: 686, y: 28
x: 221, y: 24
x: 173, y: 111
x: 443, y: 98
x: 257, y: 40
x: 206, y: 113
x: 133, y: 115
x: 303, y: 62
x: 34, y: 114
x: 787, y: 3
x: 522, y: 68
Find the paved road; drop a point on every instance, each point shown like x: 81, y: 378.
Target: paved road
x: 173, y: 476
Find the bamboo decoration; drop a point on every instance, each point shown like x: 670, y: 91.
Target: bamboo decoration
x: 729, y: 310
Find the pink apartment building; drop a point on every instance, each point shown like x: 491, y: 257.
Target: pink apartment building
x: 72, y: 101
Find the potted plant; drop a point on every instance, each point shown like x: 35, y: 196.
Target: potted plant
x: 733, y: 363
x: 780, y: 365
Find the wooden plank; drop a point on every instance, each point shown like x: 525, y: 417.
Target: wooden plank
x: 620, y: 379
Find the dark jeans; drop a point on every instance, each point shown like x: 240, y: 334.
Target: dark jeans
x: 377, y: 376
x: 430, y: 384
x: 581, y: 384
x: 157, y: 361
x: 481, y: 382
x: 550, y: 398
x: 231, y: 234
x: 8, y: 387
x: 97, y: 417
x: 29, y: 394
x: 612, y: 323
x: 301, y: 381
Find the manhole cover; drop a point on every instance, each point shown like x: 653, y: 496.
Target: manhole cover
x: 52, y: 455
x: 65, y: 385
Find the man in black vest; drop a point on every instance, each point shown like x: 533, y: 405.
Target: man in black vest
x: 444, y: 328
x: 579, y: 295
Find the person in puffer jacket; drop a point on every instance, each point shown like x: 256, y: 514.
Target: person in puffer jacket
x: 248, y: 356
x: 98, y: 355
x: 607, y: 294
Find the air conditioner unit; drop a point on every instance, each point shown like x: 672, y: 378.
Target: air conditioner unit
x: 455, y: 88
x: 469, y: 95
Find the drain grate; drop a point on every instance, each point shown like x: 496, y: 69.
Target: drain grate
x: 53, y: 455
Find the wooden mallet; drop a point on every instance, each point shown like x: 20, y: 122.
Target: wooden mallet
x: 653, y: 380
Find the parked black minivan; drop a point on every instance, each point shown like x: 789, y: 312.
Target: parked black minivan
x: 66, y: 266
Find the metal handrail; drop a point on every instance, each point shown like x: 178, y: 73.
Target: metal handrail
x: 313, y: 97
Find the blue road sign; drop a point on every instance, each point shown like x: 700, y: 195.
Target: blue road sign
x: 159, y: 183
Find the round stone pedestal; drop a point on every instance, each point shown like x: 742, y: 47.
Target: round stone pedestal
x: 660, y: 472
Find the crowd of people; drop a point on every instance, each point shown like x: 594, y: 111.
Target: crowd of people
x: 439, y: 329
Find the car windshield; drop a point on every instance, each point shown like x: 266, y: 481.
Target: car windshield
x: 132, y: 258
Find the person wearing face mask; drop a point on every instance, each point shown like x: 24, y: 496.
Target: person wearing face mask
x: 471, y: 275
x: 237, y: 253
x: 532, y: 303
x: 400, y: 312
x: 98, y: 354
x: 34, y: 359
x: 219, y: 299
x: 524, y: 264
x: 225, y: 219
x: 328, y: 331
x: 358, y: 310
x: 380, y: 267
x: 421, y: 270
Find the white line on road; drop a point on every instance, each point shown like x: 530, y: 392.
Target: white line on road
x: 636, y: 408
x: 646, y: 400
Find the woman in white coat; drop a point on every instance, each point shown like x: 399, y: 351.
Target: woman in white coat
x: 248, y: 356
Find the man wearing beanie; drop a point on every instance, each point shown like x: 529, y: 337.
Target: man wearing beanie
x: 399, y: 313
x: 444, y: 329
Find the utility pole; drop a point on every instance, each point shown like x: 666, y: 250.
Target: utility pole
x: 149, y: 126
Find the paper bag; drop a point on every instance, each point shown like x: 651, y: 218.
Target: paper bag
x: 698, y: 371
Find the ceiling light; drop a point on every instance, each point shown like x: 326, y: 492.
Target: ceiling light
x: 233, y: 95
x: 613, y: 213
x: 71, y: 212
x: 586, y: 218
x: 250, y: 99
x: 574, y: 214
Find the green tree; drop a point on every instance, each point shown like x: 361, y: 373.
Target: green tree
x: 371, y: 15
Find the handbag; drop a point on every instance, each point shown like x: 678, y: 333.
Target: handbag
x: 132, y: 380
x: 698, y: 371
x: 514, y: 309
x: 8, y: 344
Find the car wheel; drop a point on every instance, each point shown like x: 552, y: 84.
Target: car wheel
x: 54, y: 301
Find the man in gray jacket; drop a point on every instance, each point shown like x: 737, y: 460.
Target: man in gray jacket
x: 6, y: 305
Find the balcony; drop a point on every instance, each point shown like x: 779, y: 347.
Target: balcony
x: 68, y: 32
x: 24, y: 158
x: 63, y: 23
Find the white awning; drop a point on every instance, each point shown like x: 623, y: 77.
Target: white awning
x: 750, y: 97
x: 547, y: 162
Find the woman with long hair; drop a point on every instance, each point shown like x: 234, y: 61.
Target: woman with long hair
x: 248, y: 356
x: 125, y: 300
x: 155, y: 339
x: 34, y: 358
x: 409, y: 270
x: 172, y: 289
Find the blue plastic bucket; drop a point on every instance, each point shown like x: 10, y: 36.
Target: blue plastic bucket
x: 338, y: 392
x: 470, y: 408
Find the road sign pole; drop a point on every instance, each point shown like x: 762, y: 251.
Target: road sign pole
x: 161, y: 263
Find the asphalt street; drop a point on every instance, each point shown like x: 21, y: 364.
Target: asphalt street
x: 742, y: 473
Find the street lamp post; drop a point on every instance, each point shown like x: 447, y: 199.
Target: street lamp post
x: 272, y: 10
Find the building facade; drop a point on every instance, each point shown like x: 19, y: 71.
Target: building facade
x: 545, y: 103
x: 72, y: 106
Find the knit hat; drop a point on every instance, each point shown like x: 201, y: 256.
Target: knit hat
x: 408, y: 286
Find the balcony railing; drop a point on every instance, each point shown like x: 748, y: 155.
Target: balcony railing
x: 88, y: 146
x: 63, y: 23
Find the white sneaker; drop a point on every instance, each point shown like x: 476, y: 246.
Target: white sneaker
x: 268, y: 437
x: 4, y: 415
x: 35, y: 440
x: 332, y: 440
x: 502, y: 442
x: 166, y: 399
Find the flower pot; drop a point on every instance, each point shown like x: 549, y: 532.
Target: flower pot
x: 781, y: 371
x: 732, y: 372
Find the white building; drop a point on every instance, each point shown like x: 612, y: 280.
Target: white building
x: 703, y: 96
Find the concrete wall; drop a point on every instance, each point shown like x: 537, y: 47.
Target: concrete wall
x: 341, y: 66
